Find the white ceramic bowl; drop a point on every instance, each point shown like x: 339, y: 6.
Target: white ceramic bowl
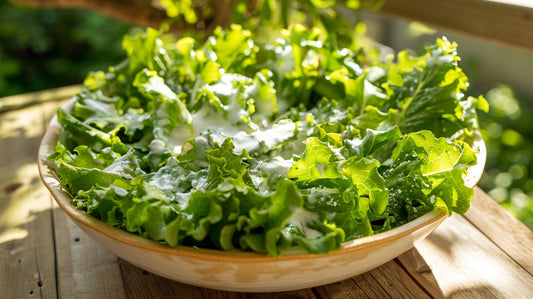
x: 246, y: 271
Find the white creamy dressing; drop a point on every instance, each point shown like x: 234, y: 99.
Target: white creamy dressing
x: 372, y: 90
x: 322, y: 195
x: 301, y: 218
x: 436, y: 58
x: 125, y: 167
x: 133, y: 116
x: 199, y: 183
x: 285, y: 61
x: 160, y: 87
x: 338, y: 152
x: 225, y: 88
x: 206, y: 119
x: 258, y: 182
x: 348, y: 61
x: 276, y: 165
x: 202, y: 143
x: 274, y: 169
x: 247, y: 137
x: 119, y: 191
x: 182, y: 198
x: 157, y: 146
x: 221, y: 129
x: 100, y: 107
x: 168, y: 183
x: 279, y: 132
x: 165, y: 182
x: 202, y: 121
x: 162, y: 116
x: 225, y: 85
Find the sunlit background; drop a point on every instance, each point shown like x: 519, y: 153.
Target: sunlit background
x: 48, y: 48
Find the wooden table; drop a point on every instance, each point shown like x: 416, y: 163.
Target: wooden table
x: 484, y: 254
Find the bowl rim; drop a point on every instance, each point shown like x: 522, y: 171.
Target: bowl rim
x: 63, y: 199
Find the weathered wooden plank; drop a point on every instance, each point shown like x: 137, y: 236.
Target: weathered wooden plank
x: 516, y: 240
x: 386, y: 281
x: 298, y: 294
x: 417, y: 268
x: 343, y: 289
x: 396, y: 282
x: 370, y: 286
x: 139, y: 283
x: 85, y: 269
x: 32, y: 98
x: 507, y: 22
x: 467, y: 264
x: 27, y: 259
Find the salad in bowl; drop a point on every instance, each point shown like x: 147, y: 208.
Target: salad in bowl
x: 275, y: 150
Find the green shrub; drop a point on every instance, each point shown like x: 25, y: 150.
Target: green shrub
x: 508, y: 130
x: 46, y: 48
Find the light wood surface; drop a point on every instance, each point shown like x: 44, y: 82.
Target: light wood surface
x: 508, y: 22
x: 488, y: 217
x: 483, y: 254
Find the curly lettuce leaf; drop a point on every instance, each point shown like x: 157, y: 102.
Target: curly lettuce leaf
x: 297, y: 145
x: 427, y: 173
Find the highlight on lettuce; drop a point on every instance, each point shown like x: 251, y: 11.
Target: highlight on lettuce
x: 272, y: 147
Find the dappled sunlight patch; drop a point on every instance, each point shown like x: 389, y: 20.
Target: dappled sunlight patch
x: 12, y: 234
x: 22, y: 124
x: 20, y: 205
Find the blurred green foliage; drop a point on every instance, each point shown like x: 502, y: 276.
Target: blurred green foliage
x: 508, y: 133
x: 46, y: 48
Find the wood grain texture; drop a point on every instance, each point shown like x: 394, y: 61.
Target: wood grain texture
x: 507, y: 22
x: 396, y: 282
x: 343, y: 289
x: 465, y: 263
x: 489, y: 218
x: 371, y: 286
x: 387, y: 281
x: 27, y: 258
x: 419, y: 270
x: 85, y: 269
